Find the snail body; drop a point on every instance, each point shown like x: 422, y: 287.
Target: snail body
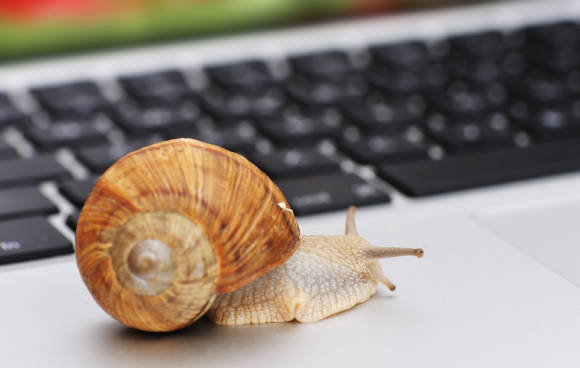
x: 182, y: 227
x: 326, y: 275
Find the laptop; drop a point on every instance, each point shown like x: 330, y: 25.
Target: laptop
x: 452, y: 127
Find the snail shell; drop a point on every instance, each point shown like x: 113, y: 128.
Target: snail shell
x: 171, y: 225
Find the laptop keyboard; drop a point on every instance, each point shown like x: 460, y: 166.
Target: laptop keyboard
x: 425, y: 117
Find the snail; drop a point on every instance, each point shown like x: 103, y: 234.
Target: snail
x: 180, y: 228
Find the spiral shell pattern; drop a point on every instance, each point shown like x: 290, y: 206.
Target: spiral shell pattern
x: 169, y: 226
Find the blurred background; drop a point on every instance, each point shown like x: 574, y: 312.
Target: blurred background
x: 40, y: 27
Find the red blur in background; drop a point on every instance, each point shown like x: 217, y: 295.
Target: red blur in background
x: 31, y: 10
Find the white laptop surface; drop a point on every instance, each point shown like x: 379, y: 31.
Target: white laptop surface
x: 498, y: 285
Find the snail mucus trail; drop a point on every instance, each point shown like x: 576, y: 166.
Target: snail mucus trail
x: 182, y: 227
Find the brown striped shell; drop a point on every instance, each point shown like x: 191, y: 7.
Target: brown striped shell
x: 169, y: 226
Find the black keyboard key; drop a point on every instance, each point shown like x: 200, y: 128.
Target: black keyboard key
x: 30, y: 171
x: 248, y: 76
x: 99, y: 158
x: 551, y: 123
x: 538, y: 86
x: 383, y: 148
x: 239, y: 138
x: 227, y: 106
x: 26, y: 201
x: 479, y: 70
x: 411, y: 55
x: 76, y: 99
x: 303, y: 126
x: 484, y: 72
x: 484, y: 45
x: 318, y: 93
x: 548, y: 123
x: 295, y: 162
x: 30, y: 238
x: 9, y: 114
x: 554, y: 46
x: 72, y: 220
x: 460, y: 98
x: 329, y: 65
x: 573, y: 83
x: 70, y: 133
x: 422, y: 178
x: 6, y: 151
x: 329, y: 192
x: 77, y: 191
x: 514, y: 65
x: 147, y: 120
x: 563, y: 59
x: 395, y: 82
x: 560, y: 33
x: 489, y: 131
x: 165, y: 87
x: 377, y: 113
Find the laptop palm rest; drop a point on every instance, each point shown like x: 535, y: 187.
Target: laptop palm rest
x: 548, y: 231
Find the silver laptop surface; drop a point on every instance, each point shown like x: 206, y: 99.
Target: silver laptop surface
x: 499, y: 283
